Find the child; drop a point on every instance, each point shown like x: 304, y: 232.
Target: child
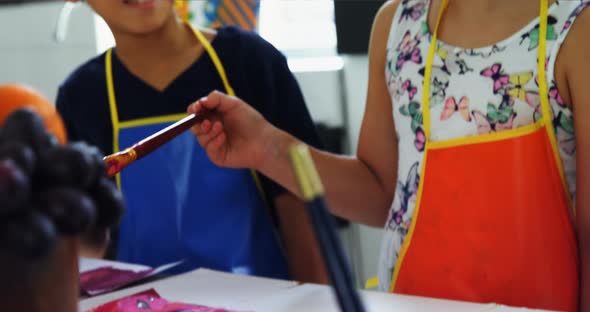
x: 180, y: 206
x: 472, y: 172
x: 51, y: 195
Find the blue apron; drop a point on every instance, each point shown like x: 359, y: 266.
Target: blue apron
x: 180, y: 206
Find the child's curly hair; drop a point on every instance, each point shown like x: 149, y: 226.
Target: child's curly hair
x: 51, y: 195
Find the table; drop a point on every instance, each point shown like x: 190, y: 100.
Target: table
x: 247, y: 293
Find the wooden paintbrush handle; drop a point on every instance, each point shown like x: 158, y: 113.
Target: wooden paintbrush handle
x: 165, y: 135
x: 116, y: 162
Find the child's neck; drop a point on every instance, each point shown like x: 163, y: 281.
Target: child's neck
x: 143, y: 50
x: 160, y: 57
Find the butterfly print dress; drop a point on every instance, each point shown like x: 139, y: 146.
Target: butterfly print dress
x: 473, y: 91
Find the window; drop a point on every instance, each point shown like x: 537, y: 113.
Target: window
x: 299, y: 28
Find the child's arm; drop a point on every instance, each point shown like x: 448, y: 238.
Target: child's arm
x: 576, y: 58
x: 360, y: 189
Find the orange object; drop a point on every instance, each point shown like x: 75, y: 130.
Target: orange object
x: 515, y: 246
x: 479, y: 234
x: 183, y: 10
x: 16, y: 96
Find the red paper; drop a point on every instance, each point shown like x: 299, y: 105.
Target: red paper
x: 150, y: 300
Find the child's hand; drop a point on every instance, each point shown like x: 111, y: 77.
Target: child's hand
x: 234, y: 134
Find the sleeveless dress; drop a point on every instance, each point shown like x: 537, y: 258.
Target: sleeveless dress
x: 474, y: 91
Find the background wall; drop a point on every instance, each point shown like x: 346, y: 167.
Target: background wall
x: 28, y: 52
x: 327, y: 94
x: 335, y: 94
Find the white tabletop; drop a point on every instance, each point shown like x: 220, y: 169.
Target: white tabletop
x: 246, y: 293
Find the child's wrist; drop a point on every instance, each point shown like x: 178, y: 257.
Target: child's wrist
x: 276, y: 151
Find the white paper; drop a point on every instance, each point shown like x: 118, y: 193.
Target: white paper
x: 88, y: 264
x: 204, y: 287
x: 315, y: 298
x: 246, y: 293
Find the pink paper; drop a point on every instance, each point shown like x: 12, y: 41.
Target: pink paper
x: 151, y: 301
x: 106, y: 279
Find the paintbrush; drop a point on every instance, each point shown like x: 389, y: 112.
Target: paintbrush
x: 117, y: 161
x: 325, y: 230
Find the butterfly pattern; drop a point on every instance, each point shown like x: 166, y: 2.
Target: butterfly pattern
x: 407, y: 51
x: 452, y: 106
x: 453, y: 63
x: 399, y: 87
x: 413, y: 111
x: 475, y: 91
x: 533, y: 35
x: 500, y: 79
x: 440, y: 83
x: 406, y: 193
x: 413, y: 11
x: 495, y: 119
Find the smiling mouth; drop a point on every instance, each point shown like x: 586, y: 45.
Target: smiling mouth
x: 139, y: 2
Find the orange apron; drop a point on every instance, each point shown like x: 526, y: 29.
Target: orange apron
x: 515, y: 247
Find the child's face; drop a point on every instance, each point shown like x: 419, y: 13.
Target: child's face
x: 134, y: 16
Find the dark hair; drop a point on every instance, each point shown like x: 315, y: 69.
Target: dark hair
x: 50, y: 195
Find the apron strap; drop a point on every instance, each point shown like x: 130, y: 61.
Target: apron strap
x: 116, y: 125
x: 113, y: 106
x: 214, y: 58
x: 428, y: 73
x: 545, y: 106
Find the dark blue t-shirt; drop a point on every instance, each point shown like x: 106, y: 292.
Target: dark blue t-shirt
x: 258, y: 73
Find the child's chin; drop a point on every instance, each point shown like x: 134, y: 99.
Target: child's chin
x: 143, y: 26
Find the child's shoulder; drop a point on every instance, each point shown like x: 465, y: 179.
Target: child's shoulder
x: 87, y: 74
x: 247, y: 43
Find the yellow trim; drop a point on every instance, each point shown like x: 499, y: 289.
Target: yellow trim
x: 150, y: 121
x: 230, y: 91
x: 113, y: 107
x: 491, y: 137
x: 546, y: 108
x: 214, y: 58
x: 428, y: 74
x: 408, y: 239
x: 373, y: 282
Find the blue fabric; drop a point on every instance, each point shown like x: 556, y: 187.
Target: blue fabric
x: 180, y: 206
x: 260, y: 75
x: 257, y: 72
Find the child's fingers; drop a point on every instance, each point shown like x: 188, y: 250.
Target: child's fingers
x: 219, y: 101
x: 206, y: 126
x: 207, y: 136
x: 201, y: 128
x: 214, y: 148
x: 195, y: 107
